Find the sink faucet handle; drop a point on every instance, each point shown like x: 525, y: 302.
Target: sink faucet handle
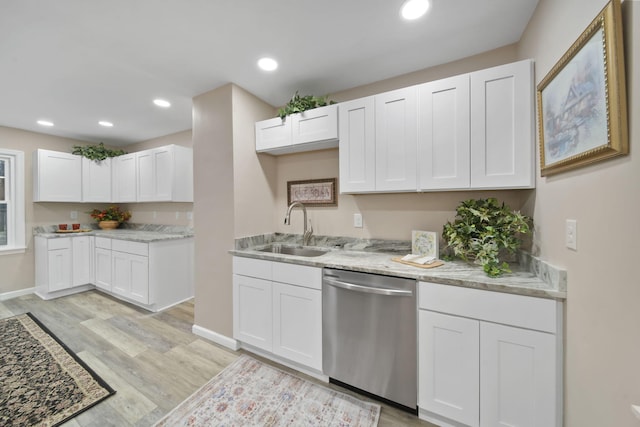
x: 306, y: 238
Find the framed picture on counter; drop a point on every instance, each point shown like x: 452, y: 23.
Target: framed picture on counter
x: 313, y: 192
x: 582, y: 110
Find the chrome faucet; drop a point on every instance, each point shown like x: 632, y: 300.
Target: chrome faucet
x: 306, y: 234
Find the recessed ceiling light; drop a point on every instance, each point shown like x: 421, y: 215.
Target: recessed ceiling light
x: 162, y: 103
x: 105, y: 124
x: 414, y: 9
x: 45, y: 123
x: 267, y: 64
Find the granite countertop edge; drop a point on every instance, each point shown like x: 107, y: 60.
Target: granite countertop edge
x: 143, y: 233
x: 524, y: 279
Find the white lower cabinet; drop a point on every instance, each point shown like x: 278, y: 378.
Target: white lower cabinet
x: 153, y: 275
x: 252, y: 311
x: 488, y: 359
x: 277, y: 307
x: 130, y: 276
x: 62, y: 265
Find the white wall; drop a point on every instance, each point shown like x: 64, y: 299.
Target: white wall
x: 602, y: 363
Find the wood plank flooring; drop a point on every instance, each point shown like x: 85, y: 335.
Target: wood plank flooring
x: 151, y: 359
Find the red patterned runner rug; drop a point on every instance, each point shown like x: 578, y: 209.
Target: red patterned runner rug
x: 251, y: 393
x: 42, y: 382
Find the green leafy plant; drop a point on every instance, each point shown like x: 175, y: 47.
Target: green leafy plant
x: 97, y: 153
x: 112, y: 213
x: 298, y: 104
x: 483, y: 229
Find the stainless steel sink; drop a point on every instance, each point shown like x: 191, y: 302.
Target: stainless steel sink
x: 292, y: 250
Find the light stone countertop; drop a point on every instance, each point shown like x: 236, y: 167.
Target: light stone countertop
x: 143, y: 233
x: 457, y: 273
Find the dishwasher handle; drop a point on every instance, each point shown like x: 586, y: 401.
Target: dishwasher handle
x: 366, y: 289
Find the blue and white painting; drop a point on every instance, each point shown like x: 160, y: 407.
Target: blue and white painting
x: 574, y: 105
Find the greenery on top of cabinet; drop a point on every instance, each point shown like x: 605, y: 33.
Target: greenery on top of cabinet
x: 298, y: 104
x: 482, y: 229
x: 96, y: 153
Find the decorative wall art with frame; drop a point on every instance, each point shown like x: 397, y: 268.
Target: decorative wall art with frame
x: 313, y: 192
x: 582, y: 108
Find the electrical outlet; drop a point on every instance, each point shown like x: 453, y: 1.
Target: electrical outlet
x: 190, y: 216
x: 74, y: 215
x: 155, y: 215
x: 357, y: 220
x: 178, y: 215
x: 571, y: 234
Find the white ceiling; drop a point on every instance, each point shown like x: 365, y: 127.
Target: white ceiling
x: 75, y: 62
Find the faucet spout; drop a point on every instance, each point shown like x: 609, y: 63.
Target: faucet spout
x: 306, y: 235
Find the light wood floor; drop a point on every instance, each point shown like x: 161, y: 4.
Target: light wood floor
x: 151, y: 359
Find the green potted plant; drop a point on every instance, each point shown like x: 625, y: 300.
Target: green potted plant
x: 298, y: 104
x: 111, y: 217
x: 97, y: 153
x: 483, y: 231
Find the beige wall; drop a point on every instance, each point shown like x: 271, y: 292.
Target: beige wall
x: 18, y: 271
x: 233, y: 193
x: 602, y: 308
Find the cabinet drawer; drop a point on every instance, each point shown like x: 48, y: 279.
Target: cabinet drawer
x: 516, y: 310
x: 126, y: 246
x: 103, y: 242
x: 301, y: 275
x: 59, y: 243
x: 252, y: 267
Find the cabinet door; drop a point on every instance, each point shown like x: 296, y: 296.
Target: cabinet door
x: 139, y: 273
x: 502, y: 148
x: 443, y: 134
x: 81, y: 250
x: 57, y: 177
x: 103, y: 268
x: 517, y: 377
x: 124, y: 178
x: 163, y: 171
x: 59, y: 274
x: 273, y: 133
x: 252, y: 311
x: 318, y: 124
x: 96, y: 180
x: 145, y: 170
x: 130, y: 276
x: 396, y: 140
x: 297, y: 324
x: 448, y: 366
x: 357, y: 151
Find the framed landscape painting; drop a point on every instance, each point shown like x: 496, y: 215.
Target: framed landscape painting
x: 582, y: 111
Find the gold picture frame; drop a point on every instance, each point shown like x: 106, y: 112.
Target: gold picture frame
x: 582, y: 107
x: 313, y: 192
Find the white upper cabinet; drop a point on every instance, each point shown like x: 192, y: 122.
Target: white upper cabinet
x: 396, y: 140
x: 124, y: 178
x: 57, y: 177
x: 357, y: 145
x: 443, y: 134
x: 272, y: 134
x: 96, y: 180
x: 314, y: 129
x: 502, y: 127
x: 165, y: 174
x: 468, y: 132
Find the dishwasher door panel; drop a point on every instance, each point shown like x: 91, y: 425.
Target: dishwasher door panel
x: 369, y: 339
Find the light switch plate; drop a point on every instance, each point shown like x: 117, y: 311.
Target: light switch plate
x: 357, y: 220
x: 571, y: 234
x: 74, y: 215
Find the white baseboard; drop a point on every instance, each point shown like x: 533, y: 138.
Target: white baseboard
x: 14, y: 294
x: 217, y: 338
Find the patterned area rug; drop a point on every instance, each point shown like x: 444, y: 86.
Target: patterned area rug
x: 251, y: 393
x: 42, y: 383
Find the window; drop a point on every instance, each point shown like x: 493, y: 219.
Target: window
x: 12, y: 221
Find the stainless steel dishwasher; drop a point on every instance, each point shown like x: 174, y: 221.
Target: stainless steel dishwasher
x: 369, y: 334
